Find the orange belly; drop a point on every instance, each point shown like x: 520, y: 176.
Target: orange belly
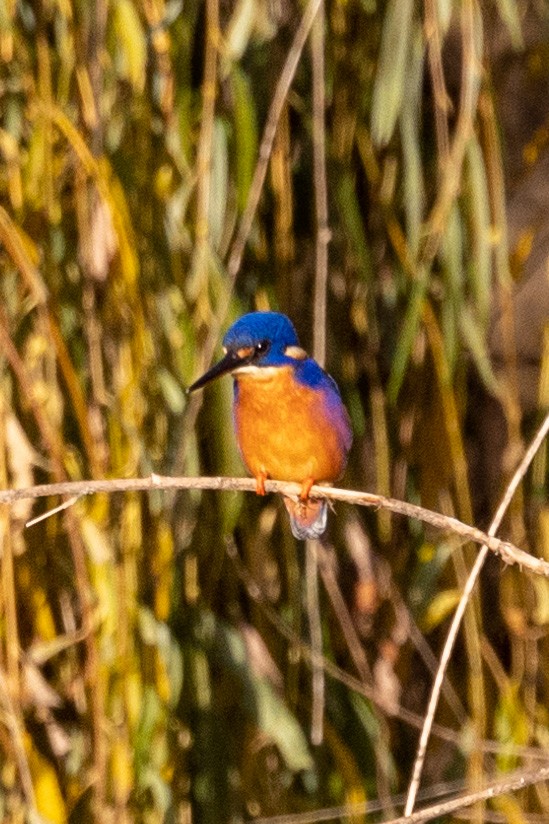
x: 284, y: 429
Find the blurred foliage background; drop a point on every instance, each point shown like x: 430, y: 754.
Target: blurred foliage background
x: 154, y: 661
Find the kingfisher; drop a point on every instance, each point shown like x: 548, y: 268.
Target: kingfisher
x: 289, y: 419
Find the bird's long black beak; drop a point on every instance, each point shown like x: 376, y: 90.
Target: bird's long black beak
x: 231, y: 361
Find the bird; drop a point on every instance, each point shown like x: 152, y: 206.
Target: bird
x: 289, y: 418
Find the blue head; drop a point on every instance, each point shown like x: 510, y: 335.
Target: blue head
x: 258, y: 339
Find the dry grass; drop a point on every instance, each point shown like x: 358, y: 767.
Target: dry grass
x: 164, y: 168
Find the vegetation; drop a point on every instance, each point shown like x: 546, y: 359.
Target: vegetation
x: 165, y: 167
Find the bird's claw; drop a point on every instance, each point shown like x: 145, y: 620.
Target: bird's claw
x: 305, y: 489
x: 260, y: 483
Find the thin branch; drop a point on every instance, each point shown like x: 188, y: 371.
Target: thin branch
x: 198, y: 279
x: 320, y: 184
x: 265, y: 149
x: 42, y: 517
x: 10, y: 718
x: 315, y: 634
x: 441, y: 98
x: 381, y: 745
x: 319, y: 338
x: 509, y: 553
x: 518, y: 476
x: 518, y: 781
x: 450, y: 180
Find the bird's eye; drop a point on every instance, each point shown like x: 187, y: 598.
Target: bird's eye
x: 261, y: 347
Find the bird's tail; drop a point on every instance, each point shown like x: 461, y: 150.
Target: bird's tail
x: 307, y: 518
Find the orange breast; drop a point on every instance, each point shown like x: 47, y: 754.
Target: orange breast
x: 284, y: 429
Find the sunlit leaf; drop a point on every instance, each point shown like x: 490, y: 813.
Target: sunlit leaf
x: 239, y: 29
x: 541, y: 612
x: 49, y: 800
x: 441, y: 606
x: 511, y: 726
x: 130, y: 43
x: 444, y: 13
x: 510, y: 14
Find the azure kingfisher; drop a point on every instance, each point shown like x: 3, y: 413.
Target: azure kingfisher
x: 289, y: 418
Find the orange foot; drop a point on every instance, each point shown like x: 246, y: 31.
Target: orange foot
x: 306, y: 488
x: 260, y: 483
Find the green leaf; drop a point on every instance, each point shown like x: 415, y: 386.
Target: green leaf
x: 370, y: 724
x: 276, y: 720
x: 392, y: 69
x: 423, y: 588
x: 408, y: 333
x: 475, y: 339
x: 452, y: 259
x: 219, y: 182
x: 172, y: 392
x: 353, y: 224
x: 410, y: 129
x: 477, y: 203
x: 265, y: 708
x: 245, y: 132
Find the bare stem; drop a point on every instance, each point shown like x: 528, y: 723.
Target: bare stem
x: 321, y: 189
x: 510, y: 553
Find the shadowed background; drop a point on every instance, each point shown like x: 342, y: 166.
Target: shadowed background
x: 142, y: 679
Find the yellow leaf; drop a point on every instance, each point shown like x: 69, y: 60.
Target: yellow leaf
x: 44, y: 623
x: 544, y: 532
x: 134, y: 697
x: 131, y: 43
x: 121, y: 770
x: 540, y: 615
x: 511, y: 809
x: 440, y: 607
x: 49, y: 801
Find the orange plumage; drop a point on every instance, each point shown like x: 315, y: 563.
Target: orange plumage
x: 283, y: 429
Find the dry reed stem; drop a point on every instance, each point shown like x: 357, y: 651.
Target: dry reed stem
x: 319, y: 334
x: 320, y: 186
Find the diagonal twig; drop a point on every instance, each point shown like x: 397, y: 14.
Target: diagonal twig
x: 516, y: 781
x: 458, y: 615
